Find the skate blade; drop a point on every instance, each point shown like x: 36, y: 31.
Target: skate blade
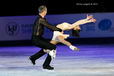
x: 30, y: 62
x: 76, y: 49
x: 46, y: 70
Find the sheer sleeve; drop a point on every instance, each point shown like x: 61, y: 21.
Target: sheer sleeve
x: 51, y: 27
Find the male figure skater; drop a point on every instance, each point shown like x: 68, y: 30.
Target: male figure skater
x: 39, y: 41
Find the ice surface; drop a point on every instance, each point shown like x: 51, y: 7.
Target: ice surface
x: 91, y: 60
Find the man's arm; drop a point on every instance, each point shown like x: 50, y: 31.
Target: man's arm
x: 51, y: 27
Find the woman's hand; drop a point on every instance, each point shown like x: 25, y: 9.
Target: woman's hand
x: 89, y: 17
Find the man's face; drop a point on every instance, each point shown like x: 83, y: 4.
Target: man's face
x: 45, y: 11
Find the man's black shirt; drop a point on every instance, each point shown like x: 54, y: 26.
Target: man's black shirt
x: 39, y: 24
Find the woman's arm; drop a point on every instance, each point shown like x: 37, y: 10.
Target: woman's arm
x: 77, y: 23
x: 83, y: 21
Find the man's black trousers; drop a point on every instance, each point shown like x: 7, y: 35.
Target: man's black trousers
x: 44, y: 44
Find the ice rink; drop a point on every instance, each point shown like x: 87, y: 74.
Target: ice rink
x: 91, y: 60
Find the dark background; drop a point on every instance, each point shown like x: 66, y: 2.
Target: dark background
x: 29, y: 7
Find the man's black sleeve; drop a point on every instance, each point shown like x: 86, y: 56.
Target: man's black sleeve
x: 51, y: 27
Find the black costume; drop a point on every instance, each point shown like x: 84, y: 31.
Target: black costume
x: 39, y: 41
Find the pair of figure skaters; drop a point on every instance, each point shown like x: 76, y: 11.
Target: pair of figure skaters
x: 58, y: 36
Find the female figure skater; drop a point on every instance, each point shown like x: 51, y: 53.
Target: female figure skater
x: 59, y: 37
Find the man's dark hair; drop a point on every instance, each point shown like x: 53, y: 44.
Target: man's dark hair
x: 42, y: 8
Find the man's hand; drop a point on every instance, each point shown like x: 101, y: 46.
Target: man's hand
x: 60, y: 30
